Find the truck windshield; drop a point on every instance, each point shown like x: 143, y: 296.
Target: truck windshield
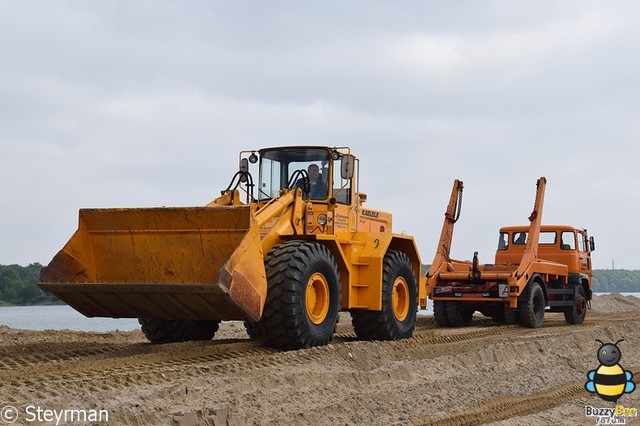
x: 278, y: 167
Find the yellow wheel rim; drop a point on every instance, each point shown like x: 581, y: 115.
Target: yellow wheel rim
x: 400, y: 299
x: 317, y: 298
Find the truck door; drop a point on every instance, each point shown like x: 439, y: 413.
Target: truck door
x: 584, y: 253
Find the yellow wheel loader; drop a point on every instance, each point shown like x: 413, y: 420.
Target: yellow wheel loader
x: 537, y: 268
x: 285, y: 253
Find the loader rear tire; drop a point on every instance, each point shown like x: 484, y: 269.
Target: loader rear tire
x: 169, y: 331
x: 531, y: 311
x: 303, y: 296
x: 397, y: 318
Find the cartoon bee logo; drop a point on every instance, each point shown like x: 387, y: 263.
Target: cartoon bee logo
x: 609, y: 381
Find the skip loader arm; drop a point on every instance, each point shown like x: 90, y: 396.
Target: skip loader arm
x: 520, y: 277
x: 451, y: 216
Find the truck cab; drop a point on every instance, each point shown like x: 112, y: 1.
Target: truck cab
x: 564, y: 244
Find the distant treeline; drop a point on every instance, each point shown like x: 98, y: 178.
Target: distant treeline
x: 18, y: 284
x: 620, y: 280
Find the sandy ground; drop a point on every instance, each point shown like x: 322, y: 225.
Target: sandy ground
x: 482, y: 374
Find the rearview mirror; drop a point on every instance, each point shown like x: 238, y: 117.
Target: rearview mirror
x: 348, y: 164
x: 244, y: 167
x: 592, y: 244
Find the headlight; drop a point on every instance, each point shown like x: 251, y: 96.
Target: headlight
x: 322, y: 219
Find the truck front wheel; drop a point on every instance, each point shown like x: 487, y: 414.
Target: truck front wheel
x: 576, y: 313
x: 531, y: 311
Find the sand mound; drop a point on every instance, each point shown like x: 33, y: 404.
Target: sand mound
x: 479, y: 374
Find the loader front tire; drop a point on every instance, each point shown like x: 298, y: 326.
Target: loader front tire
x: 531, y: 311
x: 169, y: 331
x: 303, y: 296
x: 397, y: 318
x: 253, y: 330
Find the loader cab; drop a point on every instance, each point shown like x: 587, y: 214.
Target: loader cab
x: 328, y: 173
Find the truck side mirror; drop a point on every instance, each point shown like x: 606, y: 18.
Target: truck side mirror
x: 592, y: 244
x: 348, y: 164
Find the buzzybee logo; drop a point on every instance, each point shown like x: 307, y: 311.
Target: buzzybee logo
x: 609, y: 381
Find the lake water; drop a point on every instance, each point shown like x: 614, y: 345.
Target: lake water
x: 63, y: 317
x: 60, y: 317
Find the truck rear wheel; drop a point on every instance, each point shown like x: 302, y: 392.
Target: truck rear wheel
x: 531, y: 311
x: 168, y: 331
x: 451, y: 313
x: 457, y: 314
x: 577, y: 313
x: 440, y: 313
x: 504, y: 314
x: 397, y: 318
x: 303, y: 296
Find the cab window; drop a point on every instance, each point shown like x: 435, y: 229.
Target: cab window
x: 547, y: 237
x: 341, y: 187
x: 271, y: 180
x: 582, y: 242
x: 519, y: 238
x: 568, y: 241
x: 503, y: 241
x: 284, y: 168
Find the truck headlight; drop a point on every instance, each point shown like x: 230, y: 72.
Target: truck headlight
x: 322, y: 219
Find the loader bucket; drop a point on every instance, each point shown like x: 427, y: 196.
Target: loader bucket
x: 200, y: 263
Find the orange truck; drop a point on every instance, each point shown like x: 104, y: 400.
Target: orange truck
x: 537, y: 269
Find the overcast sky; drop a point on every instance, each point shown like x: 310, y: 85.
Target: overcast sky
x: 147, y: 103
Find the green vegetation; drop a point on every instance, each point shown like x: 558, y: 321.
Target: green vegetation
x: 18, y: 286
x: 620, y: 280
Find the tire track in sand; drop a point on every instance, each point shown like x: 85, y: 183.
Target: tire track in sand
x: 123, y: 366
x: 507, y: 407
